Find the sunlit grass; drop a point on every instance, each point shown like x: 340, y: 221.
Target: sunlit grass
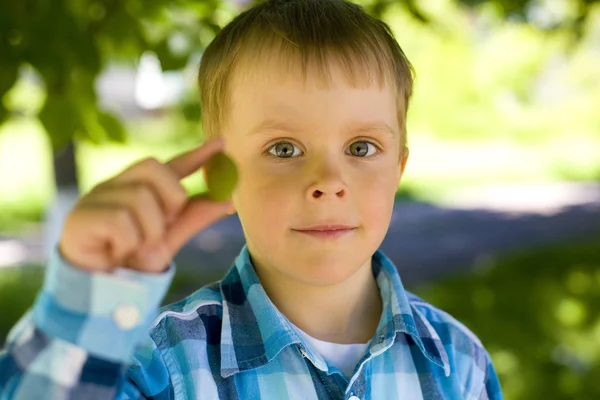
x: 536, y: 312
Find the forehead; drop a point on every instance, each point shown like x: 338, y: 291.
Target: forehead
x: 286, y: 78
x: 313, y: 71
x: 279, y: 97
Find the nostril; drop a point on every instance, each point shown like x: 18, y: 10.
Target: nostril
x: 317, y: 193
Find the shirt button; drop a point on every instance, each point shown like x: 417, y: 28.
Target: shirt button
x: 126, y: 317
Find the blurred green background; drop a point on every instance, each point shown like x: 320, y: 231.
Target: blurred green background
x: 506, y: 92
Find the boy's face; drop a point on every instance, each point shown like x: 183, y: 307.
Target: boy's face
x: 306, y: 159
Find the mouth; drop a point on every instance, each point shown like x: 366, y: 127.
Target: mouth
x: 326, y: 231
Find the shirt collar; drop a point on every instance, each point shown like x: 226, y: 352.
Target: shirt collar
x: 401, y: 316
x: 254, y: 332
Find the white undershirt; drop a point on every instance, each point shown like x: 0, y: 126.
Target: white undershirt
x: 343, y: 356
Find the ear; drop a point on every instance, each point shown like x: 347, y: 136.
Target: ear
x: 402, y: 162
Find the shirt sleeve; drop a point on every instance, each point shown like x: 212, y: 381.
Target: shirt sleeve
x: 80, y: 337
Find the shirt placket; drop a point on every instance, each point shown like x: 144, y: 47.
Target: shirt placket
x: 357, y: 386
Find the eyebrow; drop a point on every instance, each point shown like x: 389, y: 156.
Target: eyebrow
x: 275, y: 125
x: 364, y: 127
x: 355, y: 127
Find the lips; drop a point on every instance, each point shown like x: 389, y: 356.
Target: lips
x: 326, y: 231
x: 328, y: 227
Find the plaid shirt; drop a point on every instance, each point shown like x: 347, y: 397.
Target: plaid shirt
x: 226, y: 341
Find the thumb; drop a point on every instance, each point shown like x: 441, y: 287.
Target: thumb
x: 199, y: 213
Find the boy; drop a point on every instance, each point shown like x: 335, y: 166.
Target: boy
x: 309, y: 97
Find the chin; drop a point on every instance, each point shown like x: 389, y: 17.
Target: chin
x: 326, y: 271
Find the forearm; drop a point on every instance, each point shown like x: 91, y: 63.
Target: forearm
x: 81, y: 334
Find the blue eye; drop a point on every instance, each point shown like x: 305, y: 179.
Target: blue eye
x: 285, y: 150
x: 362, y: 148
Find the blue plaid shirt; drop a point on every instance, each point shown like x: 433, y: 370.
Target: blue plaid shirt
x: 226, y: 341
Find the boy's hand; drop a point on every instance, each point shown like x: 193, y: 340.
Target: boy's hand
x: 140, y: 218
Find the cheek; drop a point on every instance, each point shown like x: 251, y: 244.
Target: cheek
x: 264, y: 195
x: 375, y: 192
x: 264, y: 184
x: 379, y: 175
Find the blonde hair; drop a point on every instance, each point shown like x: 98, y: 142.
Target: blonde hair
x: 302, y: 33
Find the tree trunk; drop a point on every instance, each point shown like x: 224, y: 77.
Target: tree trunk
x: 67, y: 192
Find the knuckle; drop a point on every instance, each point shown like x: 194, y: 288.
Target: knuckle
x: 100, y: 192
x: 100, y: 187
x: 149, y: 162
x: 144, y: 167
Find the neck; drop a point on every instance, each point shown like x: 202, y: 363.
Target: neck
x: 347, y: 312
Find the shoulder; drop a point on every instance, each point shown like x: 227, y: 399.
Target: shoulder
x: 468, y: 359
x: 445, y: 325
x: 466, y: 354
x: 198, y: 316
x: 203, y: 299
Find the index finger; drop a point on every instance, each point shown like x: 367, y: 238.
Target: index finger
x: 191, y: 161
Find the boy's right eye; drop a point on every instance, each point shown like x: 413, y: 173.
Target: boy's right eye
x: 285, y: 150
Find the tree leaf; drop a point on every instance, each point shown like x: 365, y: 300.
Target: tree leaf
x: 61, y: 118
x: 113, y: 127
x: 9, y: 71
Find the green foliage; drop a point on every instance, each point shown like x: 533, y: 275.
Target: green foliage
x: 69, y: 42
x: 542, y: 14
x: 480, y: 78
x: 537, y: 314
x: 18, y: 289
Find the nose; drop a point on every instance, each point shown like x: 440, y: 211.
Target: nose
x: 327, y: 181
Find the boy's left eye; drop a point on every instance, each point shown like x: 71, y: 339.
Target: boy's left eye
x: 362, y: 148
